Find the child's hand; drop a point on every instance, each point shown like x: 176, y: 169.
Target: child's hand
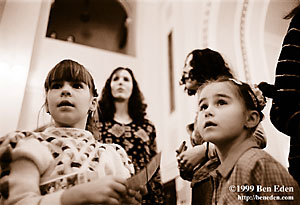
x: 107, y: 190
x: 189, y: 159
x: 143, y: 190
x: 133, y: 197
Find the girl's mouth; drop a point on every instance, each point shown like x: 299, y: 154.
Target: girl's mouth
x: 65, y: 103
x: 209, y: 124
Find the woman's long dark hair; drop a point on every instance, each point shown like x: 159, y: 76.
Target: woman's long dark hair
x: 136, y: 105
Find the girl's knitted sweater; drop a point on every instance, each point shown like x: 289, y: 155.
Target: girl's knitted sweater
x: 64, y: 157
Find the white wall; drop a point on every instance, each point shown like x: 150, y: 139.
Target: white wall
x: 18, y: 26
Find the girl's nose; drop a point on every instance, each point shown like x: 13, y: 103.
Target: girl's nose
x: 66, y: 91
x: 208, y: 112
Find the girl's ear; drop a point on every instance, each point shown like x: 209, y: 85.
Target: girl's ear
x: 47, y: 108
x: 94, y: 104
x: 253, y: 119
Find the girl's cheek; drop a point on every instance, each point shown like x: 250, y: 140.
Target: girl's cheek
x: 199, y: 117
x: 198, y: 125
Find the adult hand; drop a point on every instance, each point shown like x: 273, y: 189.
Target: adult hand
x: 190, y: 158
x: 182, y: 148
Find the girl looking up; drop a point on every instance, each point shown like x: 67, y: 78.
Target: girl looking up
x: 65, y: 164
x: 229, y: 112
x: 202, y: 65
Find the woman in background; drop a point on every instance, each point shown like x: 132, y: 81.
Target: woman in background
x: 122, y: 120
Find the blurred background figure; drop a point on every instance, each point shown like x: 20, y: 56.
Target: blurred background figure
x: 201, y: 65
x: 285, y: 111
x: 122, y: 120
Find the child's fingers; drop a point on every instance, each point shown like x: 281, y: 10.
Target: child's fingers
x: 135, y: 194
x: 132, y: 197
x: 120, y: 180
x: 113, y: 201
x: 143, y: 190
x: 119, y: 187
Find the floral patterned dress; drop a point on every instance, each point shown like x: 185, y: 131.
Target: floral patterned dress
x: 139, y: 141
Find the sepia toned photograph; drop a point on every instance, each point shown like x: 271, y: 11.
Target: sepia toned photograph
x: 174, y: 102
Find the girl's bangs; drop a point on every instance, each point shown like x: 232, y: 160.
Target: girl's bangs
x: 71, y: 73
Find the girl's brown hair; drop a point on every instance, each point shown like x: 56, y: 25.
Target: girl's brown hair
x: 71, y: 71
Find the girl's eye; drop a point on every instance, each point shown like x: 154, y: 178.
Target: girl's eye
x: 203, y: 107
x: 77, y: 85
x: 56, y: 86
x: 126, y: 79
x: 221, y: 102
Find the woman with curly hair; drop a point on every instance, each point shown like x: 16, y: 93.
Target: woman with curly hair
x: 201, y: 65
x: 122, y: 120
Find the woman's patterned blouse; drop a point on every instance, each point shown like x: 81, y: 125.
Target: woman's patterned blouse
x: 139, y: 141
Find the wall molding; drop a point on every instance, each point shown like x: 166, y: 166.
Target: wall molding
x: 205, y: 23
x: 243, y: 46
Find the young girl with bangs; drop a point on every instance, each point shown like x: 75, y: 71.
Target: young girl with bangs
x: 65, y: 164
x: 229, y: 112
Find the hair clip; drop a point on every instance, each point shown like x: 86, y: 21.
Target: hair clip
x: 256, y: 94
x: 236, y: 81
x: 260, y: 101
